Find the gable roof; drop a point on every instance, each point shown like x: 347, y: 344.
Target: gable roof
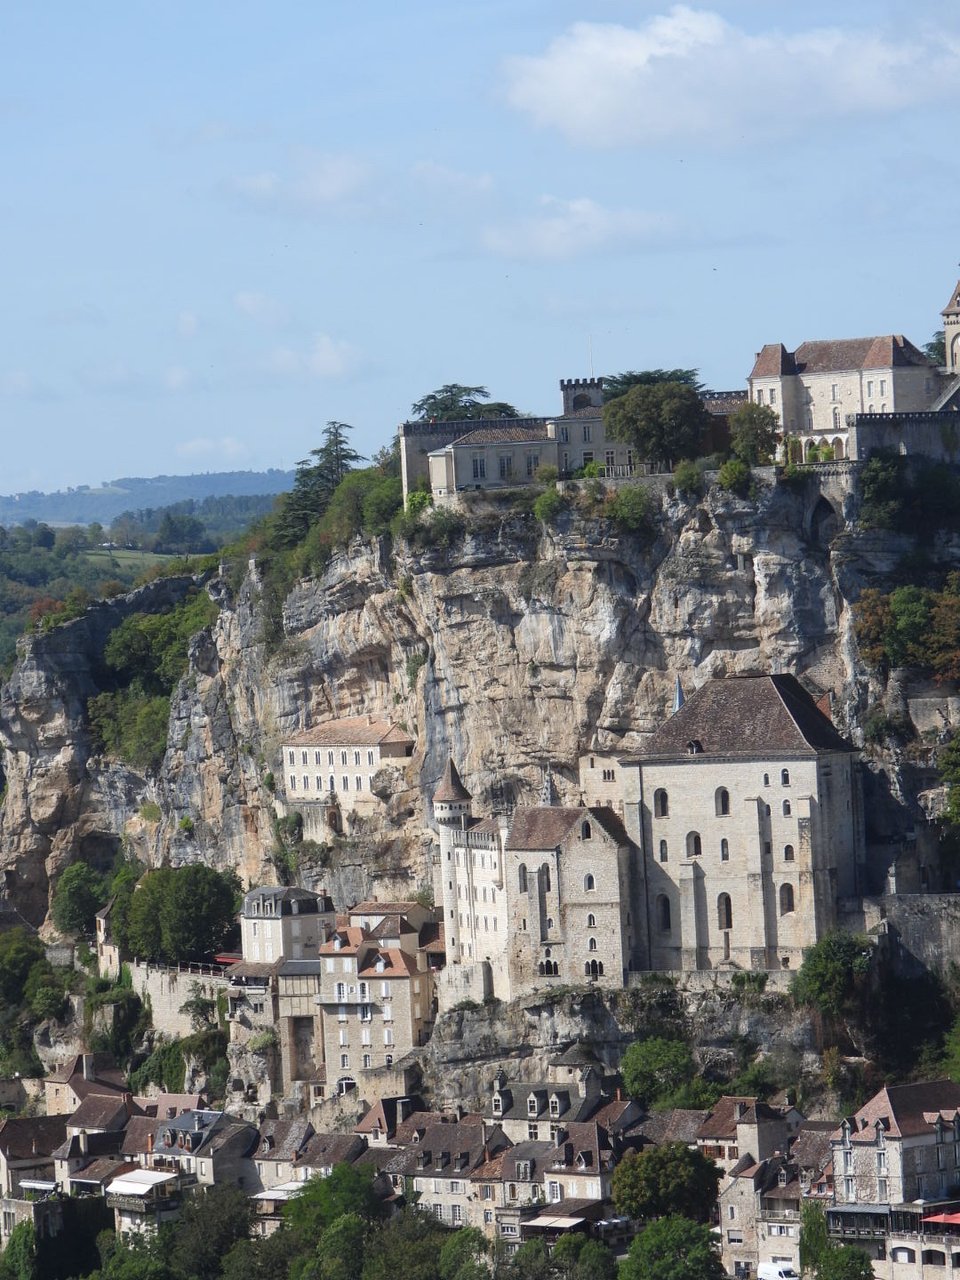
x: 905, y: 1110
x: 27, y: 1137
x: 543, y: 827
x: 351, y: 731
x: 773, y: 361
x: 838, y: 355
x: 529, y: 433
x: 750, y: 716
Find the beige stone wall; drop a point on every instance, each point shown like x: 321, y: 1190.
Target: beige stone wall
x: 738, y: 1224
x: 313, y: 773
x: 360, y: 1035
x: 167, y: 988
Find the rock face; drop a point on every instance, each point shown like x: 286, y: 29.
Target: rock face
x: 515, y: 647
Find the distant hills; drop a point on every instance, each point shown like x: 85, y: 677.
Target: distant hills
x: 86, y: 504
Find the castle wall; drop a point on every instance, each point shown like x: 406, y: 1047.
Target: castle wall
x: 168, y: 987
x: 934, y: 435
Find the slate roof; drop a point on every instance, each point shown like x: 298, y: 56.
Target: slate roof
x: 545, y: 827
x: 503, y: 1165
x: 98, y: 1144
x: 679, y: 1124
x: 283, y: 1139
x: 23, y: 1137
x: 451, y: 789
x: 515, y: 1094
x: 351, y: 731
x: 906, y: 1110
x: 162, y: 1104
x: 98, y: 1171
x: 953, y: 306
x: 103, y: 1111
x: 586, y: 1146
x: 137, y: 1138
x: 811, y: 1148
x: 326, y: 1149
x: 107, y: 1076
x: 448, y: 1150
x: 747, y: 716
x: 308, y: 903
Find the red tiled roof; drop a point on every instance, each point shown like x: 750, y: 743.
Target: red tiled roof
x: 837, y: 355
x: 350, y: 939
x: 523, y: 434
x: 352, y: 731
x: 370, y: 907
x: 953, y: 306
x: 773, y: 360
x: 399, y: 965
x: 905, y: 1110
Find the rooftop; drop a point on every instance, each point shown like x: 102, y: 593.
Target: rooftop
x: 352, y: 731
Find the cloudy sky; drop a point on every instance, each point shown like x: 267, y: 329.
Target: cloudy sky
x: 224, y: 224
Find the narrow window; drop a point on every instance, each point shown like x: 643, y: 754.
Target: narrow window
x: 589, y: 883
x: 722, y: 802
x: 661, y: 803
x: 724, y: 851
x: 663, y: 850
x: 663, y: 913
x: 786, y: 899
x: 693, y: 844
x: 591, y: 921
x: 785, y: 777
x: 522, y: 878
x: 724, y: 911
x: 788, y: 854
x: 786, y: 808
x: 585, y: 831
x: 592, y: 944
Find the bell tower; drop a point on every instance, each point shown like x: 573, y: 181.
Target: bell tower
x: 951, y: 332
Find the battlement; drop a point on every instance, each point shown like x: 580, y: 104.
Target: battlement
x: 581, y: 393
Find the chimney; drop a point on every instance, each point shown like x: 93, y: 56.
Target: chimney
x: 86, y: 1063
x: 149, y: 1144
x: 84, y: 1143
x: 197, y: 1121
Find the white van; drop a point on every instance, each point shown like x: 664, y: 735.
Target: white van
x: 776, y: 1271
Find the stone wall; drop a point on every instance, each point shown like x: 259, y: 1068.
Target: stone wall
x: 922, y: 930
x: 167, y: 988
x: 934, y: 435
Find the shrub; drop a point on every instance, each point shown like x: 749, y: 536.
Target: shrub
x: 548, y: 506
x: 687, y: 477
x: 266, y: 1039
x: 547, y: 475
x: 79, y: 895
x: 415, y: 663
x: 592, y: 471
x: 630, y: 509
x: 185, y: 826
x: 735, y: 477
x: 418, y: 502
x: 150, y: 811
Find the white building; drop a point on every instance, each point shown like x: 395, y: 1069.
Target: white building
x: 284, y: 924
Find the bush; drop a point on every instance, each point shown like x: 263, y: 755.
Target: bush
x: 735, y: 477
x: 150, y: 811
x: 418, y: 502
x: 547, y: 475
x: 548, y: 506
x: 79, y: 895
x: 687, y: 478
x: 629, y: 509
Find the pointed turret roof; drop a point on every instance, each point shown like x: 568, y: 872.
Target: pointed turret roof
x: 953, y: 306
x: 451, y: 789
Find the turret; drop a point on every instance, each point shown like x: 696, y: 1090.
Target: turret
x: 581, y: 393
x: 452, y: 801
x: 452, y: 805
x: 951, y: 332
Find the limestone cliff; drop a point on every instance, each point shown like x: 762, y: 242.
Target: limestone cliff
x: 516, y: 646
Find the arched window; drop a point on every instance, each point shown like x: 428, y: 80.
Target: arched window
x: 663, y: 913
x: 585, y: 831
x: 933, y: 1258
x: 722, y: 802
x: 788, y: 854
x: 786, y: 808
x: 522, y: 878
x: 724, y: 850
x: 661, y: 803
x: 724, y: 911
x: 786, y: 899
x: 766, y: 779
x: 589, y: 883
x: 903, y: 1254
x: 545, y: 878
x: 592, y: 944
x: 693, y: 844
x: 591, y: 921
x: 663, y: 850
x: 785, y: 777
x: 540, y: 968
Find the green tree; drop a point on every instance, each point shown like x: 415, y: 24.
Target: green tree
x: 936, y: 349
x: 883, y: 488
x: 814, y: 1241
x: 454, y: 402
x: 652, y: 1069
x: 845, y: 1262
x: 579, y: 1258
x: 753, y: 433
x: 673, y: 1249
x: 341, y: 1250
x: 315, y: 483
x: 20, y: 1256
x: 666, y: 1180
x: 464, y: 1255
x: 618, y: 384
x: 181, y: 914
x: 347, y: 1190
x: 832, y: 973
x: 735, y: 476
x: 533, y: 1261
x: 19, y: 951
x: 629, y: 508
x: 79, y: 895
x: 407, y: 1246
x: 664, y: 421
x: 212, y: 1222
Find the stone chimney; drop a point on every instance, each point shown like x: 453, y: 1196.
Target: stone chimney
x: 86, y: 1065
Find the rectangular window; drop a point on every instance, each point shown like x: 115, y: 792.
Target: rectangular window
x: 344, y: 1061
x: 293, y: 782
x: 759, y: 395
x: 773, y: 395
x: 533, y: 464
x: 456, y: 1213
x: 367, y: 1061
x: 370, y: 759
x: 883, y: 386
x: 587, y: 433
x: 506, y: 466
x: 479, y: 468
x: 869, y: 389
x: 883, y: 1193
x: 610, y: 458
x: 388, y: 1035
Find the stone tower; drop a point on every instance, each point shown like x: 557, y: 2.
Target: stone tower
x: 951, y: 332
x: 452, y: 810
x: 581, y: 393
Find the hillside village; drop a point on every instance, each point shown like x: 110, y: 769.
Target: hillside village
x: 709, y: 854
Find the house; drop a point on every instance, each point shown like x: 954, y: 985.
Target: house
x: 541, y: 1110
x: 814, y: 388
x: 441, y: 1163
x: 746, y: 806
x: 340, y: 767
x: 27, y: 1144
x: 508, y: 1190
x: 83, y: 1075
x: 740, y: 1126
x: 279, y: 923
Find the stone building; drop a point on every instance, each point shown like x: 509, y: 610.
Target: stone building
x: 541, y: 899
x: 746, y: 807
x: 815, y: 388
x: 284, y: 924
x: 332, y: 770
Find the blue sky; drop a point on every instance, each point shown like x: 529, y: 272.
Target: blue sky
x: 224, y: 224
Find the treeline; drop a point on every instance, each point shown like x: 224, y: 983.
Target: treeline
x: 191, y: 527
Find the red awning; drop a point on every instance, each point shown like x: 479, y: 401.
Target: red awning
x: 952, y: 1218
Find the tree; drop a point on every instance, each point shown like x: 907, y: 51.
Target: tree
x: 454, y: 402
x: 579, y: 1258
x: 464, y: 1254
x: 19, y: 951
x: 180, y: 914
x: 814, y: 1241
x: 666, y: 1180
x: 652, y: 1069
x: 663, y: 421
x: 347, y: 1190
x: 735, y: 477
x: 79, y: 895
x: 845, y: 1262
x: 315, y: 482
x: 753, y: 433
x: 936, y: 349
x: 341, y: 1250
x: 673, y: 1249
x: 831, y: 973
x: 211, y: 1223
x: 407, y: 1246
x: 618, y: 384
x: 20, y: 1255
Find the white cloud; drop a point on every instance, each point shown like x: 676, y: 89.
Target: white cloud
x: 566, y: 228
x: 208, y: 446
x: 317, y: 181
x: 177, y: 378
x: 187, y: 324
x: 689, y: 74
x: 441, y: 177
x: 259, y: 306
x: 325, y: 357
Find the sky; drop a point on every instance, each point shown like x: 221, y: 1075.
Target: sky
x: 223, y: 225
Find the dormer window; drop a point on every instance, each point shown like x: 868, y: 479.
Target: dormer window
x: 694, y: 747
x: 782, y: 1178
x: 554, y: 1106
x: 497, y: 1105
x: 523, y: 1170
x: 338, y: 943
x: 532, y: 1105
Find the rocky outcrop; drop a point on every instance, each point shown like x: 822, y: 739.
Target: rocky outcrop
x: 517, y: 646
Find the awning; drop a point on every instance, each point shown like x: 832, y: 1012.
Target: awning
x: 952, y: 1218
x: 282, y: 1191
x: 36, y: 1184
x: 138, y: 1184
x: 545, y: 1223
